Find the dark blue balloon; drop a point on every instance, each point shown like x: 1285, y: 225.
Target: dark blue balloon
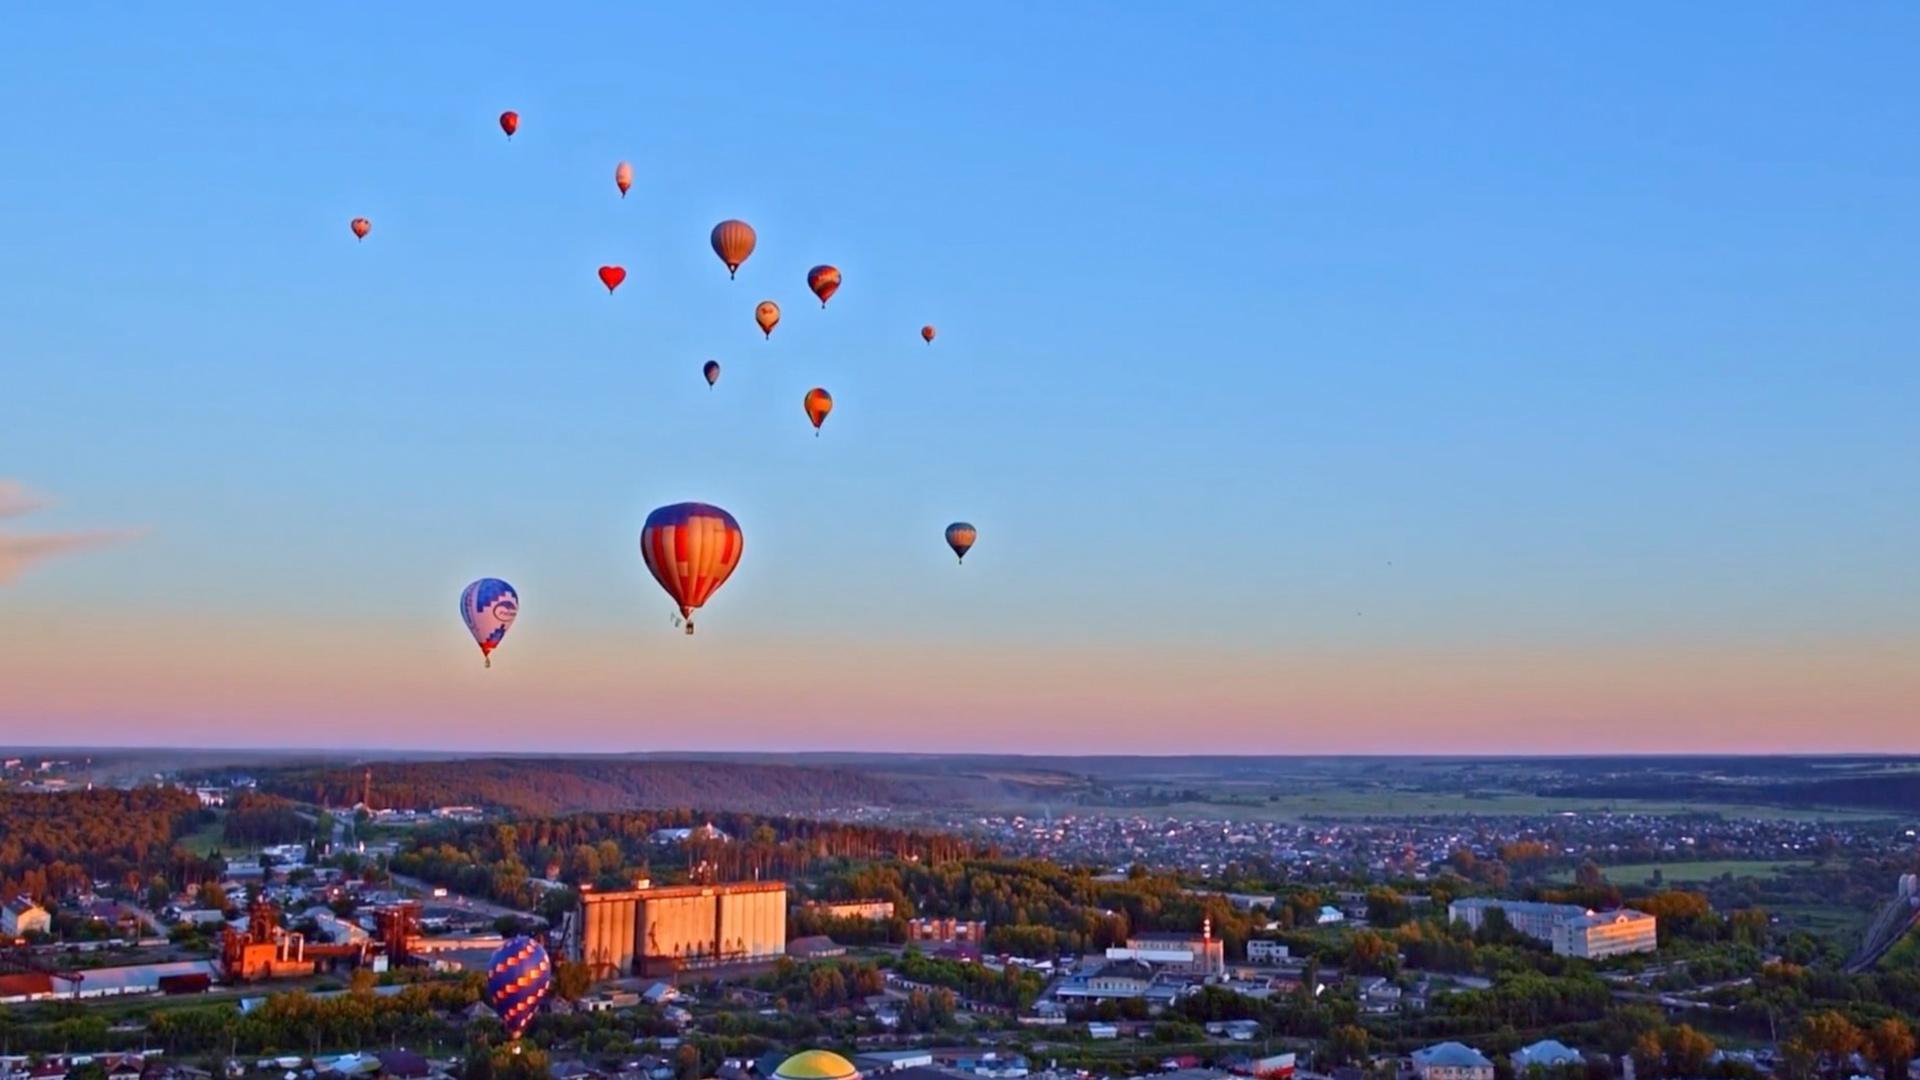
x: 519, y: 977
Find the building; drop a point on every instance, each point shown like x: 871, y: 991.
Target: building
x: 884, y: 1061
x: 1598, y: 935
x: 21, y: 916
x: 682, y: 836
x: 1451, y: 1061
x: 1116, y: 979
x: 964, y: 935
x: 1547, y: 1053
x: 659, y: 930
x: 1571, y: 929
x: 876, y: 910
x: 1261, y: 951
x: 1330, y: 915
x: 1179, y: 953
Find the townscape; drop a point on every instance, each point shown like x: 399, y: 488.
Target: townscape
x: 258, y: 934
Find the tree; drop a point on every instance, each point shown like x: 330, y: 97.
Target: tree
x: 1687, y: 1049
x: 572, y: 979
x: 1648, y: 1059
x: 1590, y: 876
x: 1347, y: 1043
x: 1832, y: 1038
x: 1891, y: 1045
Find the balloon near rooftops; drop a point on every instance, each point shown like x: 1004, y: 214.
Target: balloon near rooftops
x: 489, y: 607
x: 768, y: 316
x: 926, y: 334
x: 816, y: 1065
x: 509, y: 122
x: 623, y: 177
x: 692, y: 549
x: 733, y: 241
x: 519, y: 977
x: 960, y: 537
x: 361, y: 227
x: 611, y: 277
x: 818, y: 404
x: 824, y: 281
x: 711, y: 369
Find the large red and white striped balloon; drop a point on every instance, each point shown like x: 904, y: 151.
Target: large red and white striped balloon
x: 692, y: 549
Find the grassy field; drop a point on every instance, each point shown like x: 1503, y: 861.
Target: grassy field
x: 1365, y: 802
x: 1689, y: 873
x: 206, y: 838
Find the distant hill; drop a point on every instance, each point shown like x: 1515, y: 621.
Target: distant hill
x: 548, y: 786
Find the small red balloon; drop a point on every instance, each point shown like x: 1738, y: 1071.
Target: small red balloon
x: 509, y: 122
x: 611, y: 277
x: 926, y: 334
x: 361, y: 227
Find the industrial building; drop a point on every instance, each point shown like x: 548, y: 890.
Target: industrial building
x: 657, y: 931
x: 877, y: 910
x: 968, y: 936
x: 1177, y: 953
x: 1571, y: 929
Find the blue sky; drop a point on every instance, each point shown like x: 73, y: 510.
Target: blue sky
x: 1268, y: 329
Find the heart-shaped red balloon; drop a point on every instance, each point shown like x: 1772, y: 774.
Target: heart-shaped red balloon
x: 611, y: 277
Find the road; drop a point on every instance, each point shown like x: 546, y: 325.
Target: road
x: 470, y: 903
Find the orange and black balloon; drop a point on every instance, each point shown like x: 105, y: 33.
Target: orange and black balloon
x: 926, y: 334
x: 361, y: 227
x: 712, y: 371
x: 509, y: 122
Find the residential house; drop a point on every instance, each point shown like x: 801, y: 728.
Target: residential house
x: 1451, y: 1061
x: 1547, y: 1053
x: 21, y: 916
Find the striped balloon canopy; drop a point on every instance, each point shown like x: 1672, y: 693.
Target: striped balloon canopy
x: 519, y: 977
x: 692, y: 549
x: 489, y: 607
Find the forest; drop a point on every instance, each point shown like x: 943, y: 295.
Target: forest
x: 547, y: 787
x: 57, y: 844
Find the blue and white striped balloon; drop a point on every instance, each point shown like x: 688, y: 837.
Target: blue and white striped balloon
x: 489, y: 607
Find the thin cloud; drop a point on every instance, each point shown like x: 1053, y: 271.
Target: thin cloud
x: 15, y: 499
x: 20, y: 550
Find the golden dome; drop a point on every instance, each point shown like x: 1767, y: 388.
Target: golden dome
x: 816, y: 1065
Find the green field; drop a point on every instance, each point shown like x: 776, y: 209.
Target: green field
x: 207, y: 837
x: 1692, y: 873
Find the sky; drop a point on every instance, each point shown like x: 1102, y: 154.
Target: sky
x: 1500, y: 377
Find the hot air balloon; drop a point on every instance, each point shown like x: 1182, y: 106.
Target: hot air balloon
x: 509, y: 122
x: 611, y: 277
x: 926, y: 334
x: 489, y: 607
x: 768, y: 316
x: 733, y: 242
x: 519, y: 977
x: 361, y: 227
x: 816, y: 1065
x: 712, y: 370
x: 824, y: 281
x: 818, y: 403
x: 692, y: 549
x: 623, y: 177
x: 960, y: 537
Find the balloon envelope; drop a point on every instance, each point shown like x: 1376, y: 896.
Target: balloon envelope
x: 691, y: 549
x: 824, y: 281
x: 611, y: 277
x: 489, y: 607
x: 361, y: 227
x: 768, y: 316
x: 623, y: 177
x: 519, y: 977
x: 733, y: 241
x: 712, y: 371
x: 960, y: 537
x: 818, y: 404
x: 509, y: 122
x: 926, y: 334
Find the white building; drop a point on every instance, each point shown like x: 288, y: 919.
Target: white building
x: 22, y: 916
x: 1598, y: 935
x: 1451, y: 1061
x: 1262, y: 951
x: 1547, y: 1053
x: 1571, y: 929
